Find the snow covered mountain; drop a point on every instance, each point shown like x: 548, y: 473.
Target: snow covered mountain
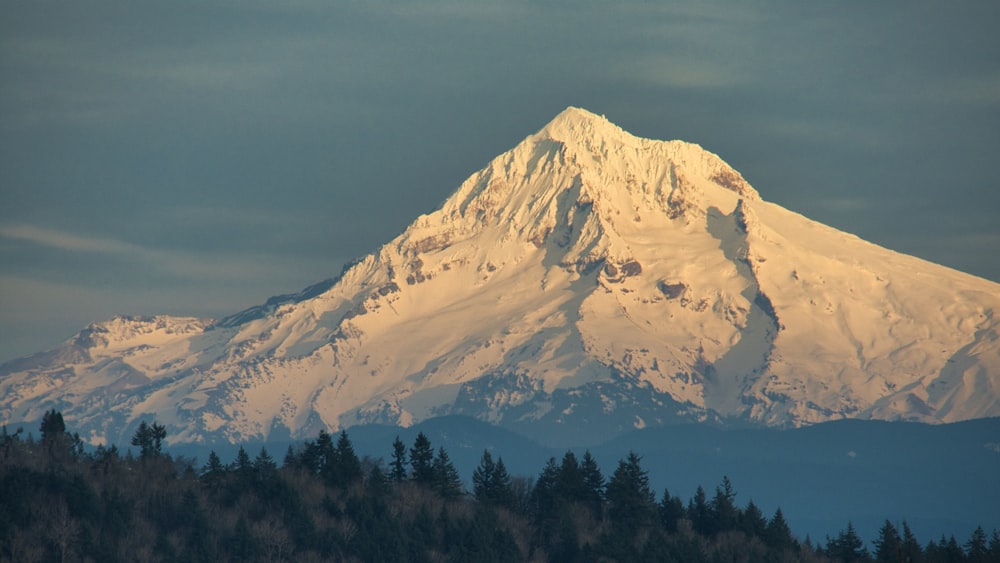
x: 584, y: 283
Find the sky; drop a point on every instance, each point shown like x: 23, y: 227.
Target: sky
x: 196, y: 158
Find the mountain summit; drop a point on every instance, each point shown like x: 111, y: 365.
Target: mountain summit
x: 584, y: 283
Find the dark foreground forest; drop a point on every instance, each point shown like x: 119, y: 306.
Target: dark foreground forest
x: 59, y: 502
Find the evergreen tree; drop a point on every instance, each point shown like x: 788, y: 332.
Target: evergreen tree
x: 53, y: 427
x: 888, y: 544
x: 952, y: 551
x: 322, y: 456
x: 752, y: 521
x: 543, y: 495
x: 149, y: 439
x: 847, y: 546
x: 671, y: 511
x: 491, y: 484
x: 422, y: 460
x: 243, y: 467
x: 214, y: 471
x: 723, y: 511
x: 348, y: 465
x: 446, y: 481
x: 995, y: 546
x: 910, y: 546
x: 699, y: 514
x: 976, y: 549
x: 264, y: 466
x: 398, y: 465
x: 631, y: 503
x: 593, y: 484
x: 778, y: 535
x: 570, y: 485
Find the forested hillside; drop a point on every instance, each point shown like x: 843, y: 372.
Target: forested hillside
x: 322, y: 502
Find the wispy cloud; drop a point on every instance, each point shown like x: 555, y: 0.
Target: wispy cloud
x: 190, y: 265
x: 66, y: 241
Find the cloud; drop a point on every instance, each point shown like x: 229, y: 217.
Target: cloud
x: 206, y: 268
x: 67, y: 241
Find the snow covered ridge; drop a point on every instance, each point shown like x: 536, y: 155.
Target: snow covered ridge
x: 584, y: 283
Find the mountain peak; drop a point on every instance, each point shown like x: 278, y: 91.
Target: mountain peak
x: 587, y: 279
x: 574, y: 122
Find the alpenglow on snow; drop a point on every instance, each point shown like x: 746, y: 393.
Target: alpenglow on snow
x: 584, y: 283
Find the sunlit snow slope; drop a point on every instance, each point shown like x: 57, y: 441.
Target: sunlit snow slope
x: 587, y: 281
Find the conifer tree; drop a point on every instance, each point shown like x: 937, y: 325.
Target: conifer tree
x: 264, y: 465
x: 752, y: 521
x: 778, y: 535
x: 422, y: 460
x: 543, y: 495
x: 570, y: 486
x: 631, y: 503
x: 348, y: 465
x: 671, y: 511
x: 149, y: 438
x: 698, y: 512
x: 490, y: 482
x: 53, y: 427
x: 594, y: 484
x: 888, y: 544
x: 847, y: 546
x: 397, y: 470
x: 445, y: 478
x: 910, y: 545
x: 976, y: 549
x: 213, y: 471
x: 724, y: 514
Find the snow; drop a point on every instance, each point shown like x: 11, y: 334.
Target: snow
x: 550, y: 263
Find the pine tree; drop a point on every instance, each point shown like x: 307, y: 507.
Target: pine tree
x: 778, y: 535
x: 214, y: 471
x: 994, y: 549
x: 752, y: 521
x: 149, y: 439
x: 543, y: 495
x: 490, y: 482
x: 53, y: 426
x: 631, y: 503
x: 671, y: 511
x: 421, y: 460
x: 888, y: 545
x: 593, y: 484
x: 699, y: 514
x: 264, y: 466
x: 243, y: 467
x: 348, y: 465
x: 570, y: 485
x: 847, y: 546
x: 910, y: 545
x: 976, y: 549
x: 398, y: 466
x: 483, y: 478
x: 446, y: 481
x: 723, y: 511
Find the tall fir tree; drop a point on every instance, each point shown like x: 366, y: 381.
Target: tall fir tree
x: 445, y: 478
x: 888, y: 544
x: 631, y: 503
x: 397, y: 467
x: 422, y: 460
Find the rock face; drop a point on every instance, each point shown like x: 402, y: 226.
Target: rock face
x: 584, y: 283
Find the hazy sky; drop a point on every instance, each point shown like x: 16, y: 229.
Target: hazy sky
x: 196, y: 158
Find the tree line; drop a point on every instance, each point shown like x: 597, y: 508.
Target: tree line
x: 322, y: 502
